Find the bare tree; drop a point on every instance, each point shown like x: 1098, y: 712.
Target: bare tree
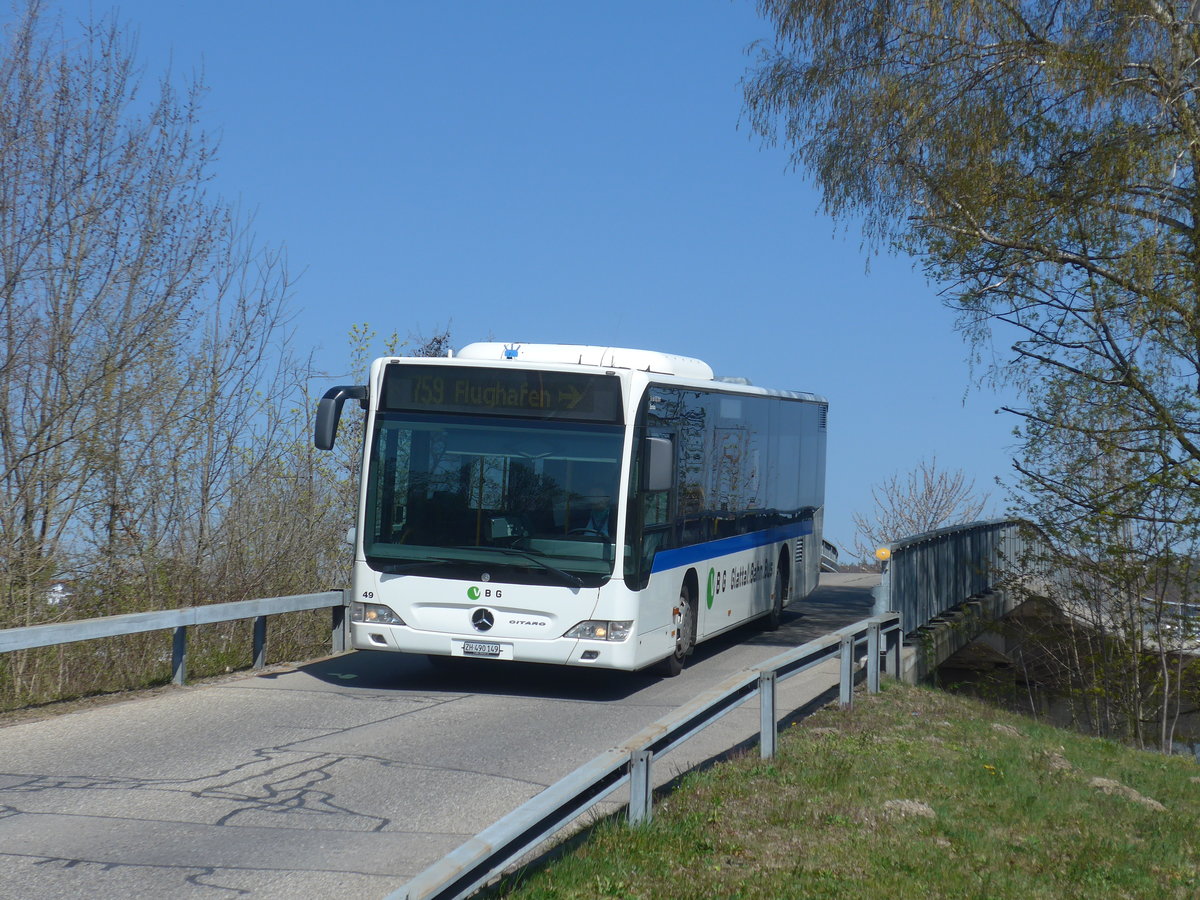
x: 154, y: 427
x: 922, y: 500
x: 143, y: 339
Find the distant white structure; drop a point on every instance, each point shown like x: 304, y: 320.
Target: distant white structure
x: 58, y: 594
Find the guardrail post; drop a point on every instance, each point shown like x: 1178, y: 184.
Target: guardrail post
x: 260, y: 641
x: 873, y: 658
x: 847, y: 679
x: 179, y: 656
x: 341, y: 625
x: 767, y: 735
x: 882, y: 592
x: 641, y: 793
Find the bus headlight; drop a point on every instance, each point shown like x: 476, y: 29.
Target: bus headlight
x: 373, y: 614
x: 593, y: 630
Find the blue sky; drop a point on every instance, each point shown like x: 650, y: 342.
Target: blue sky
x: 567, y: 172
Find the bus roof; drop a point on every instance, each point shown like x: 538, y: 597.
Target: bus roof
x: 585, y: 355
x: 653, y: 361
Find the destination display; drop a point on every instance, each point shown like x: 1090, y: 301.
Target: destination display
x: 503, y: 392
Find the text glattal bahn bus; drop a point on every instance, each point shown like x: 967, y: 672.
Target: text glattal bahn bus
x: 586, y: 506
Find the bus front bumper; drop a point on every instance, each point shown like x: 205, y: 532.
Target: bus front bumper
x: 558, y: 651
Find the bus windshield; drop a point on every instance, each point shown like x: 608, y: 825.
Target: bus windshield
x: 525, y: 501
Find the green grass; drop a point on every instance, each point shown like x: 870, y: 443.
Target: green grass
x: 912, y: 793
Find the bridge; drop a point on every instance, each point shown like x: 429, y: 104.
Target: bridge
x: 358, y: 774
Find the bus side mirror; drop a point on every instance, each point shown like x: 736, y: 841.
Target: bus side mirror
x: 658, y: 465
x: 329, y: 411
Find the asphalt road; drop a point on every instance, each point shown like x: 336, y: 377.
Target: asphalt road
x: 339, y: 778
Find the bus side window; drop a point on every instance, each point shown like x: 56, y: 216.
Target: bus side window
x: 654, y: 509
x: 649, y: 525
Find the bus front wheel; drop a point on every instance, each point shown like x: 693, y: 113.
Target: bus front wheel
x: 685, y: 634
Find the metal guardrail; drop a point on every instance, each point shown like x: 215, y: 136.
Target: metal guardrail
x: 180, y: 619
x: 929, y: 574
x: 829, y: 557
x: 498, y: 846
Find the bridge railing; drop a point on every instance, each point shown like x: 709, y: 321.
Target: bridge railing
x: 180, y: 620
x: 931, y: 573
x: 829, y: 557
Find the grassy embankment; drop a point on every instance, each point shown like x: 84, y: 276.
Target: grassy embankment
x: 912, y: 793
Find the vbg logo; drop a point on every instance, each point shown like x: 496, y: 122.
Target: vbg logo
x: 474, y: 593
x: 718, y: 583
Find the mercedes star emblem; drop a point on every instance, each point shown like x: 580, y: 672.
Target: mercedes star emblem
x: 483, y: 620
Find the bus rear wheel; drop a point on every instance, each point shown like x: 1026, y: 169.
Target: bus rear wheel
x: 685, y: 634
x: 779, y: 597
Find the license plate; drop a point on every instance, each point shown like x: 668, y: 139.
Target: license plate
x: 480, y: 648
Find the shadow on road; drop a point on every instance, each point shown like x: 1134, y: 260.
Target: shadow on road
x: 836, y: 603
x: 379, y: 671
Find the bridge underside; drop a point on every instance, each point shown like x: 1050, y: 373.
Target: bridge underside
x: 966, y: 637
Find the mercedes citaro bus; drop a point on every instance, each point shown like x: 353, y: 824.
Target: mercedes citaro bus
x: 576, y: 505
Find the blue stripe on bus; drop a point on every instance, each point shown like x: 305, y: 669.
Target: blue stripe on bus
x: 686, y: 556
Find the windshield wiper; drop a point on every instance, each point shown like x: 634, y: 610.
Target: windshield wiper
x: 398, y: 568
x: 572, y: 580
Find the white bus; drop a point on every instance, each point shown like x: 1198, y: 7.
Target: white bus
x: 576, y: 505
